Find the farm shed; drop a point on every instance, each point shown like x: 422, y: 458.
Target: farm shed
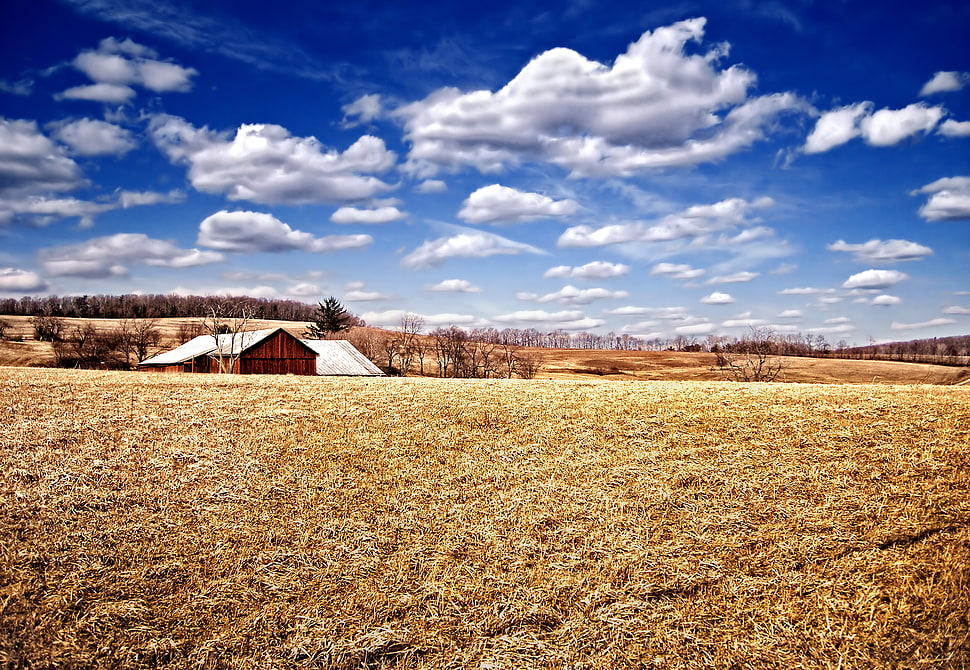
x: 341, y: 358
x: 270, y: 351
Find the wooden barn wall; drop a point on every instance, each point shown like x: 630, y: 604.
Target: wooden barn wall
x: 279, y: 355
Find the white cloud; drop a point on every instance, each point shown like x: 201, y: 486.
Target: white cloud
x: 956, y: 309
x: 593, y: 270
x: 109, y: 94
x: 885, y: 300
x: 836, y: 127
x: 90, y: 137
x: 367, y: 216
x: 140, y: 198
x: 13, y: 280
x: 362, y: 110
x: 695, y: 329
x: 570, y: 295
x: 932, y: 323
x: 743, y: 322
x: 951, y: 128
x: 654, y: 106
x: 454, y: 286
x: 104, y: 256
x: 888, y: 127
x: 832, y: 330
x: 666, y: 313
x: 23, y: 87
x: 806, y: 290
x: 31, y: 164
x: 717, y: 298
x: 501, y: 204
x: 879, y: 251
x: 694, y: 222
x: 567, y: 320
x: 736, y: 278
x: 950, y: 199
x: 883, y: 128
x: 945, y: 82
x: 431, y: 186
x: 264, y: 163
x: 875, y: 279
x: 117, y: 66
x: 676, y: 271
x: 304, y: 290
x: 251, y: 232
x: 464, y: 244
x: 790, y: 314
x: 364, y: 296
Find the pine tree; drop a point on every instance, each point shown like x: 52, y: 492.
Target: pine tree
x: 329, y: 318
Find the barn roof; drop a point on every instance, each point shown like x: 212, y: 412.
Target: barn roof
x: 340, y: 357
x: 228, y: 344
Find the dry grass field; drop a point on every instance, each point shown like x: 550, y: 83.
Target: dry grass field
x: 280, y: 522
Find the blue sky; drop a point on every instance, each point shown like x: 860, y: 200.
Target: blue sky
x: 657, y: 169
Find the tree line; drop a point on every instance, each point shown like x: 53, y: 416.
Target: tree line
x: 155, y: 306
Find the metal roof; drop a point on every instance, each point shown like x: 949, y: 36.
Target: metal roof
x: 340, y: 357
x: 228, y: 344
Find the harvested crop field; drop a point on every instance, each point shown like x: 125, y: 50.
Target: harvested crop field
x: 274, y: 522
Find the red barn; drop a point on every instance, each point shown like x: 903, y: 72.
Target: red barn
x: 259, y: 352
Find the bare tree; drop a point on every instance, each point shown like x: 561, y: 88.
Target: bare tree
x: 409, y: 328
x: 231, y: 322
x: 190, y: 329
x: 47, y: 328
x: 3, y: 327
x: 527, y: 364
x: 752, y: 358
x: 138, y: 337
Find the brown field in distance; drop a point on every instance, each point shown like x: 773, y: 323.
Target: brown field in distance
x: 566, y: 364
x: 270, y: 522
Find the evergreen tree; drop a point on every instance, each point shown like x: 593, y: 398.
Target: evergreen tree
x: 329, y: 318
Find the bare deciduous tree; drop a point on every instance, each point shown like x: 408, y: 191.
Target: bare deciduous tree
x: 230, y: 321
x: 751, y: 359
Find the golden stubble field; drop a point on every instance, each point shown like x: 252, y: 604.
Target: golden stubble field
x: 280, y: 522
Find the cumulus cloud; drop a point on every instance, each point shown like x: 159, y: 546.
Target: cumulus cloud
x: 253, y: 232
x: 956, y: 309
x: 654, y: 106
x: 676, y: 271
x: 501, y: 204
x: 883, y: 128
x: 695, y: 329
x: 932, y: 323
x: 790, y: 314
x: 453, y: 286
x: 140, y: 198
x: 91, y: 137
x: 264, y: 163
x: 592, y: 270
x: 885, y: 300
x: 717, y: 298
x: 736, y: 278
x: 367, y: 216
x: 875, y: 279
x: 31, y: 164
x: 566, y: 319
x: 116, y: 66
x: 431, y: 186
x: 14, y: 280
x: 879, y: 251
x: 945, y: 82
x: 362, y: 110
x: 951, y: 128
x: 570, y: 295
x: 949, y: 199
x: 364, y: 296
x: 836, y: 127
x: 105, y: 256
x: 464, y: 244
x: 694, y: 222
